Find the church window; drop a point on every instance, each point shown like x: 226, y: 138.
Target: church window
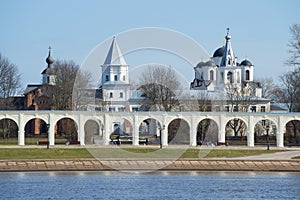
x: 106, y: 78
x: 110, y: 95
x: 124, y: 78
x: 247, y: 75
x: 211, y: 74
x: 235, y: 108
x: 226, y: 108
x: 121, y: 94
x: 116, y: 77
x: 263, y: 109
x: 222, y: 76
x: 230, y: 77
x: 48, y: 79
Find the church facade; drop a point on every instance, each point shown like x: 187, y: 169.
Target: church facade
x: 227, y: 84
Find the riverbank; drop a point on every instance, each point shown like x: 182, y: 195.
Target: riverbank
x: 149, y: 165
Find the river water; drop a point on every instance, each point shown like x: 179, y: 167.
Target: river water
x: 157, y: 185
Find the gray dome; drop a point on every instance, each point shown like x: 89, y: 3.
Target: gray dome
x: 246, y: 63
x: 219, y: 52
x: 205, y: 64
x: 49, y: 60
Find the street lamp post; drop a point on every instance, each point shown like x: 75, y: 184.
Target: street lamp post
x: 160, y: 136
x: 268, y: 138
x: 48, y: 126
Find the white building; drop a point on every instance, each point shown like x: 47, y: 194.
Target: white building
x: 114, y: 90
x: 223, y: 69
x: 221, y: 73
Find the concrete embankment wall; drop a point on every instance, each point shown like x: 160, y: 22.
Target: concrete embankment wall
x: 128, y: 165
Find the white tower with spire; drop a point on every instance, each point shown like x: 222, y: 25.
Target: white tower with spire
x: 115, y: 80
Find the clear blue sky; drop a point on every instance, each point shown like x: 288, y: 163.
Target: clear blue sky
x: 259, y: 28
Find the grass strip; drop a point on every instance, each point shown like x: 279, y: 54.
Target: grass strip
x: 65, y: 153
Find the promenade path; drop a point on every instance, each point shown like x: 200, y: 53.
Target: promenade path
x: 272, y: 156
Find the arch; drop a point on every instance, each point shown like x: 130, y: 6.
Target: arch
x: 236, y: 131
x: 150, y: 128
x: 207, y: 132
x: 35, y: 130
x: 178, y: 131
x: 247, y: 75
x: 265, y: 132
x: 211, y: 75
x: 66, y: 130
x: 92, y: 132
x: 8, y: 131
x: 292, y: 133
x: 121, y: 131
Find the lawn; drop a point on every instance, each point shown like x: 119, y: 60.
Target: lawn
x: 38, y: 153
x: 65, y: 153
x: 218, y: 153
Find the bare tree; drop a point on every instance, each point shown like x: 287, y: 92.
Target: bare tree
x: 66, y: 72
x: 268, y: 87
x: 291, y: 89
x: 83, y: 93
x: 160, y: 86
x: 10, y: 79
x: 294, y: 46
x: 238, y: 127
x: 239, y: 100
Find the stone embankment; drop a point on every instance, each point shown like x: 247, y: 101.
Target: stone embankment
x: 148, y: 164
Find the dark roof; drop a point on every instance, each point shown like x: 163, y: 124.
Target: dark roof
x: 31, y: 87
x: 219, y: 52
x: 246, y: 63
x: 49, y: 71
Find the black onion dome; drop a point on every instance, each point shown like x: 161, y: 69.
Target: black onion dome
x: 246, y: 63
x: 219, y: 52
x: 49, y: 60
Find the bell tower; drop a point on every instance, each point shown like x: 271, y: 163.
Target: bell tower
x: 49, y: 76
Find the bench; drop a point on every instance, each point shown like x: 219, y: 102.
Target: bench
x: 222, y: 143
x: 73, y: 143
x: 43, y: 142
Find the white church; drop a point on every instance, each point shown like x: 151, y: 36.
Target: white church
x: 222, y: 73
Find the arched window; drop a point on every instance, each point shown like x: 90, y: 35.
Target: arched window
x: 211, y: 75
x: 230, y: 77
x: 238, y: 77
x: 222, y: 76
x: 247, y: 75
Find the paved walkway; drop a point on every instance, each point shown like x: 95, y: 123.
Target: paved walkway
x: 272, y: 156
x: 150, y: 165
